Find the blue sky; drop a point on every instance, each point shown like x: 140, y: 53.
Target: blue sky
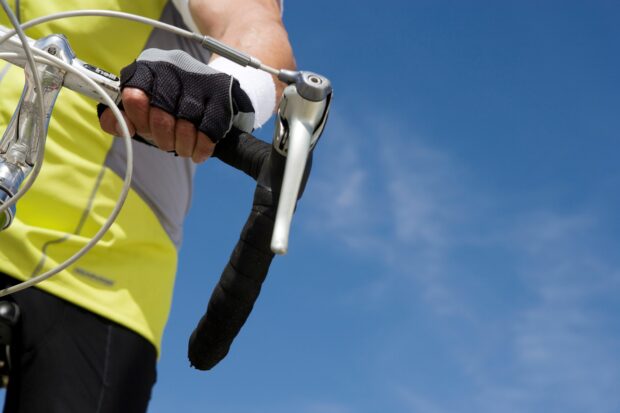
x: 457, y: 247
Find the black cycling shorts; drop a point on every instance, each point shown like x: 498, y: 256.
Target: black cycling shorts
x: 66, y: 359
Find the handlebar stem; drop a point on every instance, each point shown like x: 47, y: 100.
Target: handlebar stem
x: 22, y: 140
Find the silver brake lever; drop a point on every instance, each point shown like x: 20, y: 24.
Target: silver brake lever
x: 300, y: 121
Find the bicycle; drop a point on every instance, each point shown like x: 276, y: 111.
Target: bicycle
x: 280, y: 170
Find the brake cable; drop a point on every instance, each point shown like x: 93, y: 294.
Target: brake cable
x: 280, y: 170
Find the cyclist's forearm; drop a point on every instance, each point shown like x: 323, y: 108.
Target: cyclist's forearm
x: 252, y: 26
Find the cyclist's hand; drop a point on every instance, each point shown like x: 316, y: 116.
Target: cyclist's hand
x: 180, y: 104
x: 158, y: 127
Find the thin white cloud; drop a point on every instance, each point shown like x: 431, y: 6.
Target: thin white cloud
x: 416, y: 208
x: 396, y: 198
x: 561, y: 351
x: 337, y: 192
x: 415, y: 402
x: 562, y: 341
x: 325, y: 407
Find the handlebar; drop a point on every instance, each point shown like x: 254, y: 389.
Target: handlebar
x: 108, y: 81
x: 281, y: 171
x: 236, y: 292
x: 304, y: 117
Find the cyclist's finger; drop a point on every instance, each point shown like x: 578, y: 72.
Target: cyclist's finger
x: 162, y: 126
x: 137, y: 106
x: 109, y: 124
x: 185, y: 138
x: 204, y: 148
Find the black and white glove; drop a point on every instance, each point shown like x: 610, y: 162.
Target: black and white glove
x: 189, y: 89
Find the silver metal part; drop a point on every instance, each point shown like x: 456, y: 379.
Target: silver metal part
x: 313, y: 87
x: 230, y: 53
x: 20, y: 143
x: 23, y: 127
x: 296, y: 108
x: 299, y: 125
x: 109, y: 82
x: 11, y: 177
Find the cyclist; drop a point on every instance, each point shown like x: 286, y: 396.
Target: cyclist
x: 88, y: 338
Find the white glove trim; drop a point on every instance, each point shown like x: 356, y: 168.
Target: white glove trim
x: 258, y: 85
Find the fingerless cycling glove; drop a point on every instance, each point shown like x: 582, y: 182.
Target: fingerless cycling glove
x: 189, y: 89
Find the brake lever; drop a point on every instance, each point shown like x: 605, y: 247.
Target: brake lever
x: 300, y: 121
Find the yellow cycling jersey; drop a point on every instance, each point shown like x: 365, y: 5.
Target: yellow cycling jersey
x: 128, y: 277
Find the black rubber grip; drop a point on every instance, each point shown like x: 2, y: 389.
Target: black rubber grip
x: 236, y: 292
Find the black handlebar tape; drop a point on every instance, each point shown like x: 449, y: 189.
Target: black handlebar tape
x: 239, y: 286
x: 243, y: 152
